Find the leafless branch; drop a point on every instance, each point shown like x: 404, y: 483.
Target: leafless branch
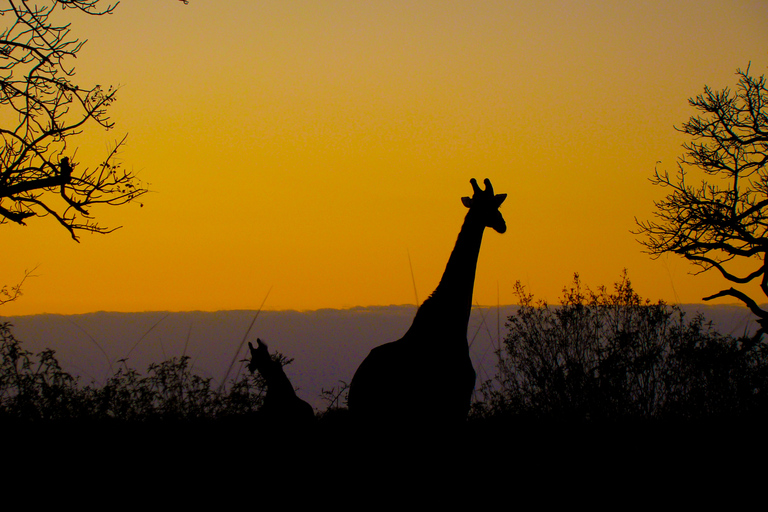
x: 724, y: 217
x: 38, y: 176
x: 10, y: 294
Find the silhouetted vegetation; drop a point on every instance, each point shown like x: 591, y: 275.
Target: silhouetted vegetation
x: 34, y: 388
x: 44, y: 111
x: 720, y: 219
x: 605, y: 356
x: 600, y: 357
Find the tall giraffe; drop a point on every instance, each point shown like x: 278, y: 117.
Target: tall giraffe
x: 281, y: 405
x: 427, y: 375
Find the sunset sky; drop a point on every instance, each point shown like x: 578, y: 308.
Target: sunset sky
x: 312, y: 149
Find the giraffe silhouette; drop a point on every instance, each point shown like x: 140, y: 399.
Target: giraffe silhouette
x: 427, y: 375
x: 281, y: 405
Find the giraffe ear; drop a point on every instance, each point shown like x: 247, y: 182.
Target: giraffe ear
x: 466, y: 201
x: 500, y: 199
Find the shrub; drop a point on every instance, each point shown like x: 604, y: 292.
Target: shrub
x: 35, y: 388
x: 604, y: 355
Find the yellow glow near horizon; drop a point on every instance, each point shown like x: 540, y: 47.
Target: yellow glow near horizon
x: 311, y: 147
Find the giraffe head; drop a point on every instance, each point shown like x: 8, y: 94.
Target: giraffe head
x: 486, y: 204
x: 260, y: 357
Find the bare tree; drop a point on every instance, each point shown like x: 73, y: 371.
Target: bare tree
x: 723, y: 219
x: 41, y: 110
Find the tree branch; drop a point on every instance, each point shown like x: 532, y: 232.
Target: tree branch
x: 726, y: 218
x: 743, y: 297
x: 36, y: 87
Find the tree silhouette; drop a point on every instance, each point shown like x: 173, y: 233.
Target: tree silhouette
x: 41, y: 110
x: 724, y: 219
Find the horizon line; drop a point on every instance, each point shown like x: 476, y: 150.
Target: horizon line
x: 351, y: 308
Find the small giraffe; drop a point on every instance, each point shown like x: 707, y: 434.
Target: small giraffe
x: 427, y: 375
x: 281, y: 405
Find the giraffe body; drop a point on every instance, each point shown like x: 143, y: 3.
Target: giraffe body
x: 427, y: 375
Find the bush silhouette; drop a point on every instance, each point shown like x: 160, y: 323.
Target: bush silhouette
x: 611, y: 356
x: 35, y: 388
x: 600, y: 356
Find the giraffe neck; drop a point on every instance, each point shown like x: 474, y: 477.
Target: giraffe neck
x: 451, y: 301
x: 276, y: 379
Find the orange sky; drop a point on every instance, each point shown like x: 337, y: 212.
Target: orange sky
x: 308, y: 148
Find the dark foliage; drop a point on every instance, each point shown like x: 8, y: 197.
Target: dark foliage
x: 599, y: 357
x: 36, y: 388
x: 610, y: 356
